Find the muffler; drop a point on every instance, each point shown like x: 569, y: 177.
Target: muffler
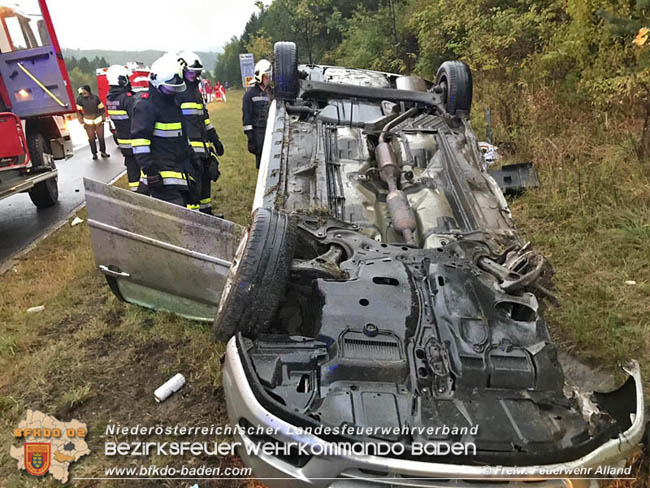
x: 402, y: 215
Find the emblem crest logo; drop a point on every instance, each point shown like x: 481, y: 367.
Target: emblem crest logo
x: 37, y: 457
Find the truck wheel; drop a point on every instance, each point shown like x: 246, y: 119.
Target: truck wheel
x: 257, y: 279
x: 455, y: 78
x: 286, y: 70
x: 46, y: 193
x: 37, y: 149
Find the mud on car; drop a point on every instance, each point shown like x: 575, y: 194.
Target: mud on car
x: 382, y: 284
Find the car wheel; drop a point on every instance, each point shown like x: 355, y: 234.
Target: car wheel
x: 455, y: 78
x: 258, y: 276
x: 46, y: 193
x: 286, y: 70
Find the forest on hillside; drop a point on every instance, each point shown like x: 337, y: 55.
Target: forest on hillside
x: 83, y: 71
x: 145, y: 57
x: 82, y: 64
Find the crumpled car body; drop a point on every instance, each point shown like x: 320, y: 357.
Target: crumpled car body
x: 382, y: 291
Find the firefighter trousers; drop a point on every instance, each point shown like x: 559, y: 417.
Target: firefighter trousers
x: 96, y: 132
x: 199, y: 187
x: 205, y: 189
x: 132, y: 172
x: 171, y: 193
x: 258, y: 134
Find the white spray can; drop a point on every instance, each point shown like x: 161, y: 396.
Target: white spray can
x: 171, y: 386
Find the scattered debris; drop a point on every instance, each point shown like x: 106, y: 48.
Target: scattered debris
x: 76, y: 221
x: 171, y: 386
x: 514, y: 179
x: 490, y: 152
x: 40, y: 308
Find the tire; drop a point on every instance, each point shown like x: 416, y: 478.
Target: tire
x: 37, y: 149
x: 286, y: 70
x: 46, y: 193
x: 257, y: 280
x: 456, y: 79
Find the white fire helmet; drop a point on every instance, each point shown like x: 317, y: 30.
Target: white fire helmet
x: 167, y: 71
x: 263, y: 67
x: 117, y: 75
x: 190, y: 61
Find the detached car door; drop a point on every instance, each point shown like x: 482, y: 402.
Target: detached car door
x: 158, y: 255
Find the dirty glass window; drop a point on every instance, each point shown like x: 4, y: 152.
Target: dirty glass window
x: 24, y: 25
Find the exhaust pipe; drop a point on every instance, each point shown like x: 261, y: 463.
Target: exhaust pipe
x: 398, y: 205
x: 389, y: 170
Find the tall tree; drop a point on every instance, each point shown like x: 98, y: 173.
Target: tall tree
x: 314, y: 24
x: 369, y: 41
x: 260, y: 46
x: 84, y: 65
x: 227, y: 67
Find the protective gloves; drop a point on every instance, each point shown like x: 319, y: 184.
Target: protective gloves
x: 218, y: 146
x: 154, y: 180
x: 251, y: 141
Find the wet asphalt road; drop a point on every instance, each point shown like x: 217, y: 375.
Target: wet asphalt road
x: 21, y: 223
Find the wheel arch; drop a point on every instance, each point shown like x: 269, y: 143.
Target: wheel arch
x: 46, y: 126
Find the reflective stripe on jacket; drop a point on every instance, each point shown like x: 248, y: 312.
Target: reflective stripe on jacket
x: 95, y: 121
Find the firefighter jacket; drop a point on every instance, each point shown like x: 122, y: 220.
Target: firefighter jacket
x: 255, y: 108
x: 120, y: 102
x: 159, y: 138
x: 90, y: 109
x: 203, y: 136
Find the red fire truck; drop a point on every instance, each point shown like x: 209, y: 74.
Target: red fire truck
x: 35, y: 94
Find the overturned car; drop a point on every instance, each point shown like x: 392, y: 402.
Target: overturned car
x: 382, y: 295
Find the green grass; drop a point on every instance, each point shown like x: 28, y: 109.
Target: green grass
x: 591, y: 218
x: 233, y: 192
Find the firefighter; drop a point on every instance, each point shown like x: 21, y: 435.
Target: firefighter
x: 255, y: 109
x: 91, y: 113
x: 204, y: 140
x: 158, y: 137
x: 120, y: 102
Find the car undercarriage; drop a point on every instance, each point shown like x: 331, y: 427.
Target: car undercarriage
x: 422, y: 316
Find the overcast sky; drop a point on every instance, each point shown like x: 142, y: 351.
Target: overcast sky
x: 134, y: 25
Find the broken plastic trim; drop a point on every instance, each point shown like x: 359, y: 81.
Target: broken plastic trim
x: 241, y: 397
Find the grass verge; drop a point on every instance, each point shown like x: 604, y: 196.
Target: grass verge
x: 591, y: 218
